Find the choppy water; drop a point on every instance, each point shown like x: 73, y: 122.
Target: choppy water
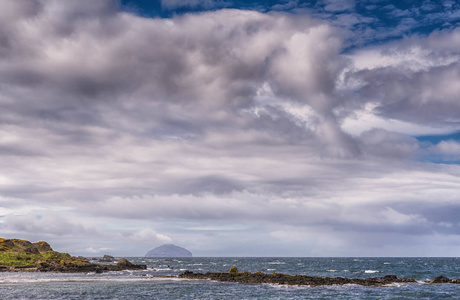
x: 143, y: 284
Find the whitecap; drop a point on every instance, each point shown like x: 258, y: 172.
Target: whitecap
x: 394, y: 284
x: 286, y: 286
x: 371, y: 271
x: 426, y: 281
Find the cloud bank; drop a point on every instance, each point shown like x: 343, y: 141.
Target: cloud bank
x: 228, y: 127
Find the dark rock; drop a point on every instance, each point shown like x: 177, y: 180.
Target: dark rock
x: 123, y: 262
x: 6, y: 244
x: 277, y: 278
x: 78, y: 266
x: 26, y: 246
x: 169, y: 250
x: 42, y: 246
x: 389, y: 278
x: 440, y: 279
x: 107, y: 258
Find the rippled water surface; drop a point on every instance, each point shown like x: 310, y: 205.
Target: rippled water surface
x: 144, y: 285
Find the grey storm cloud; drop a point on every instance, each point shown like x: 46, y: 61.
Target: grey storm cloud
x: 149, y: 128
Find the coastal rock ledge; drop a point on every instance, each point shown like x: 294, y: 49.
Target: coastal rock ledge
x: 18, y: 255
x: 277, y: 278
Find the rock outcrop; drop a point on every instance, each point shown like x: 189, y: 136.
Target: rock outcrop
x: 107, y: 258
x: 169, y: 250
x: 42, y: 246
x: 277, y: 278
x: 18, y: 255
x: 79, y: 266
x: 19, y: 245
x: 442, y: 279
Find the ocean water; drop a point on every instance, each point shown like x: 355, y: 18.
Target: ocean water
x: 144, y: 285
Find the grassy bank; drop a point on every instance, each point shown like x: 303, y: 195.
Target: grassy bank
x: 22, y: 253
x: 24, y: 259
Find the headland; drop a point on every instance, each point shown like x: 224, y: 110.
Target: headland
x: 17, y: 255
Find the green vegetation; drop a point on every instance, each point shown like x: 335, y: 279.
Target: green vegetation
x: 22, y: 253
x: 23, y: 256
x: 233, y: 270
x: 24, y: 259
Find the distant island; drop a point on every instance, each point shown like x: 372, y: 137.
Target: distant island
x: 17, y: 255
x: 169, y: 250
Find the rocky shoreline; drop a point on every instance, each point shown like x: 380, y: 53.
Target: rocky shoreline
x: 73, y: 266
x: 18, y: 255
x: 299, y: 280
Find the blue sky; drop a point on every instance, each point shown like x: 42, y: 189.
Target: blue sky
x: 231, y: 128
x: 389, y: 19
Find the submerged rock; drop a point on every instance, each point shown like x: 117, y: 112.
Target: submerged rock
x: 169, y: 250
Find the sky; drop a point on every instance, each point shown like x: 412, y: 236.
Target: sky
x: 231, y: 127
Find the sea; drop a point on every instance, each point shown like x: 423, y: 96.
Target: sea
x: 145, y: 284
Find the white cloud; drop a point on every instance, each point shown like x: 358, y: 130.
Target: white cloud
x: 367, y: 119
x: 147, y: 235
x: 46, y: 223
x: 117, y: 131
x: 449, y: 148
x: 98, y: 250
x: 412, y: 83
